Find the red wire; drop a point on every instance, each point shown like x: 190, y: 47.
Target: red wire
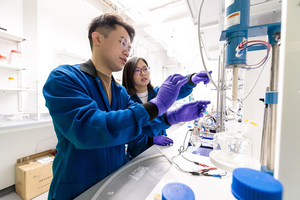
x: 259, y: 62
x: 244, y: 43
x: 212, y: 168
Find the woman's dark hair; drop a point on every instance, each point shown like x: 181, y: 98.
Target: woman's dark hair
x: 106, y: 23
x: 128, y: 72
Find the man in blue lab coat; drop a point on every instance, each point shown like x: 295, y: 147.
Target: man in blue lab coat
x: 93, y: 116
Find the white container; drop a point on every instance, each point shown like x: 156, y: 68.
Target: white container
x: 3, y: 59
x: 16, y: 57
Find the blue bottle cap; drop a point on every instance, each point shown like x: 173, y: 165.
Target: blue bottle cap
x: 177, y: 191
x: 252, y: 184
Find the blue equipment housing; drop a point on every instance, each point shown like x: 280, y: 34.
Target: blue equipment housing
x: 237, y: 22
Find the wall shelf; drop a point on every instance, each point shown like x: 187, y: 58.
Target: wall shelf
x: 13, y: 37
x: 12, y: 67
x: 14, y: 89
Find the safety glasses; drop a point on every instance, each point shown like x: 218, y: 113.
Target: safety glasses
x: 124, y: 45
x: 139, y: 71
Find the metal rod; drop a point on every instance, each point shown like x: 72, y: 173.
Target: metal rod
x: 273, y: 107
x: 222, y: 96
x: 265, y: 136
x: 218, y: 94
x: 235, y: 85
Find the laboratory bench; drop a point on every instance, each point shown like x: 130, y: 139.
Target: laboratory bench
x: 25, y: 123
x: 120, y: 184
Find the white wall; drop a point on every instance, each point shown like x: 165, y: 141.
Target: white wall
x: 51, y: 26
x: 154, y: 60
x: 253, y: 108
x: 206, y: 92
x: 21, y: 143
x: 287, y: 157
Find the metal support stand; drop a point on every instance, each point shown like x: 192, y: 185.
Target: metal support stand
x: 218, y: 94
x: 269, y: 129
x: 222, y: 97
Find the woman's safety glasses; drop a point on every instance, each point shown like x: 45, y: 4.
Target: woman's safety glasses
x: 139, y: 71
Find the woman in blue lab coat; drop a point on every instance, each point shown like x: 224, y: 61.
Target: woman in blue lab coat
x: 93, y: 116
x: 136, y: 80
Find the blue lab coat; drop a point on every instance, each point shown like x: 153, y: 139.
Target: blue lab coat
x: 157, y: 126
x: 91, y: 133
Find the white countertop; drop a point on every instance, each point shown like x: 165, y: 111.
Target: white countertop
x: 151, y: 184
x: 25, y: 124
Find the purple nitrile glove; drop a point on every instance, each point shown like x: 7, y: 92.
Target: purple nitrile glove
x: 187, y: 112
x: 162, y: 140
x: 201, y: 76
x: 168, y: 92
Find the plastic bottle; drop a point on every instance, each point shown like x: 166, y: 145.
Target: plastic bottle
x: 16, y: 57
x: 11, y: 82
x: 253, y: 184
x: 3, y: 59
x: 248, y: 126
x: 178, y: 191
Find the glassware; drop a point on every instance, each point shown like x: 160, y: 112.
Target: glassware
x: 196, y: 140
x: 232, y: 144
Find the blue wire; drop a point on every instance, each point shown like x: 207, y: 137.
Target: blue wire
x: 257, y: 44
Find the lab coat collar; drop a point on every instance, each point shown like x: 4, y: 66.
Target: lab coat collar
x: 151, y: 95
x: 89, y: 68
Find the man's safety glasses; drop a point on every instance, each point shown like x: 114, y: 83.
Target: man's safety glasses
x: 124, y: 45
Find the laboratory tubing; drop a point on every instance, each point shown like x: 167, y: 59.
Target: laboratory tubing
x: 15, y: 57
x: 11, y: 82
